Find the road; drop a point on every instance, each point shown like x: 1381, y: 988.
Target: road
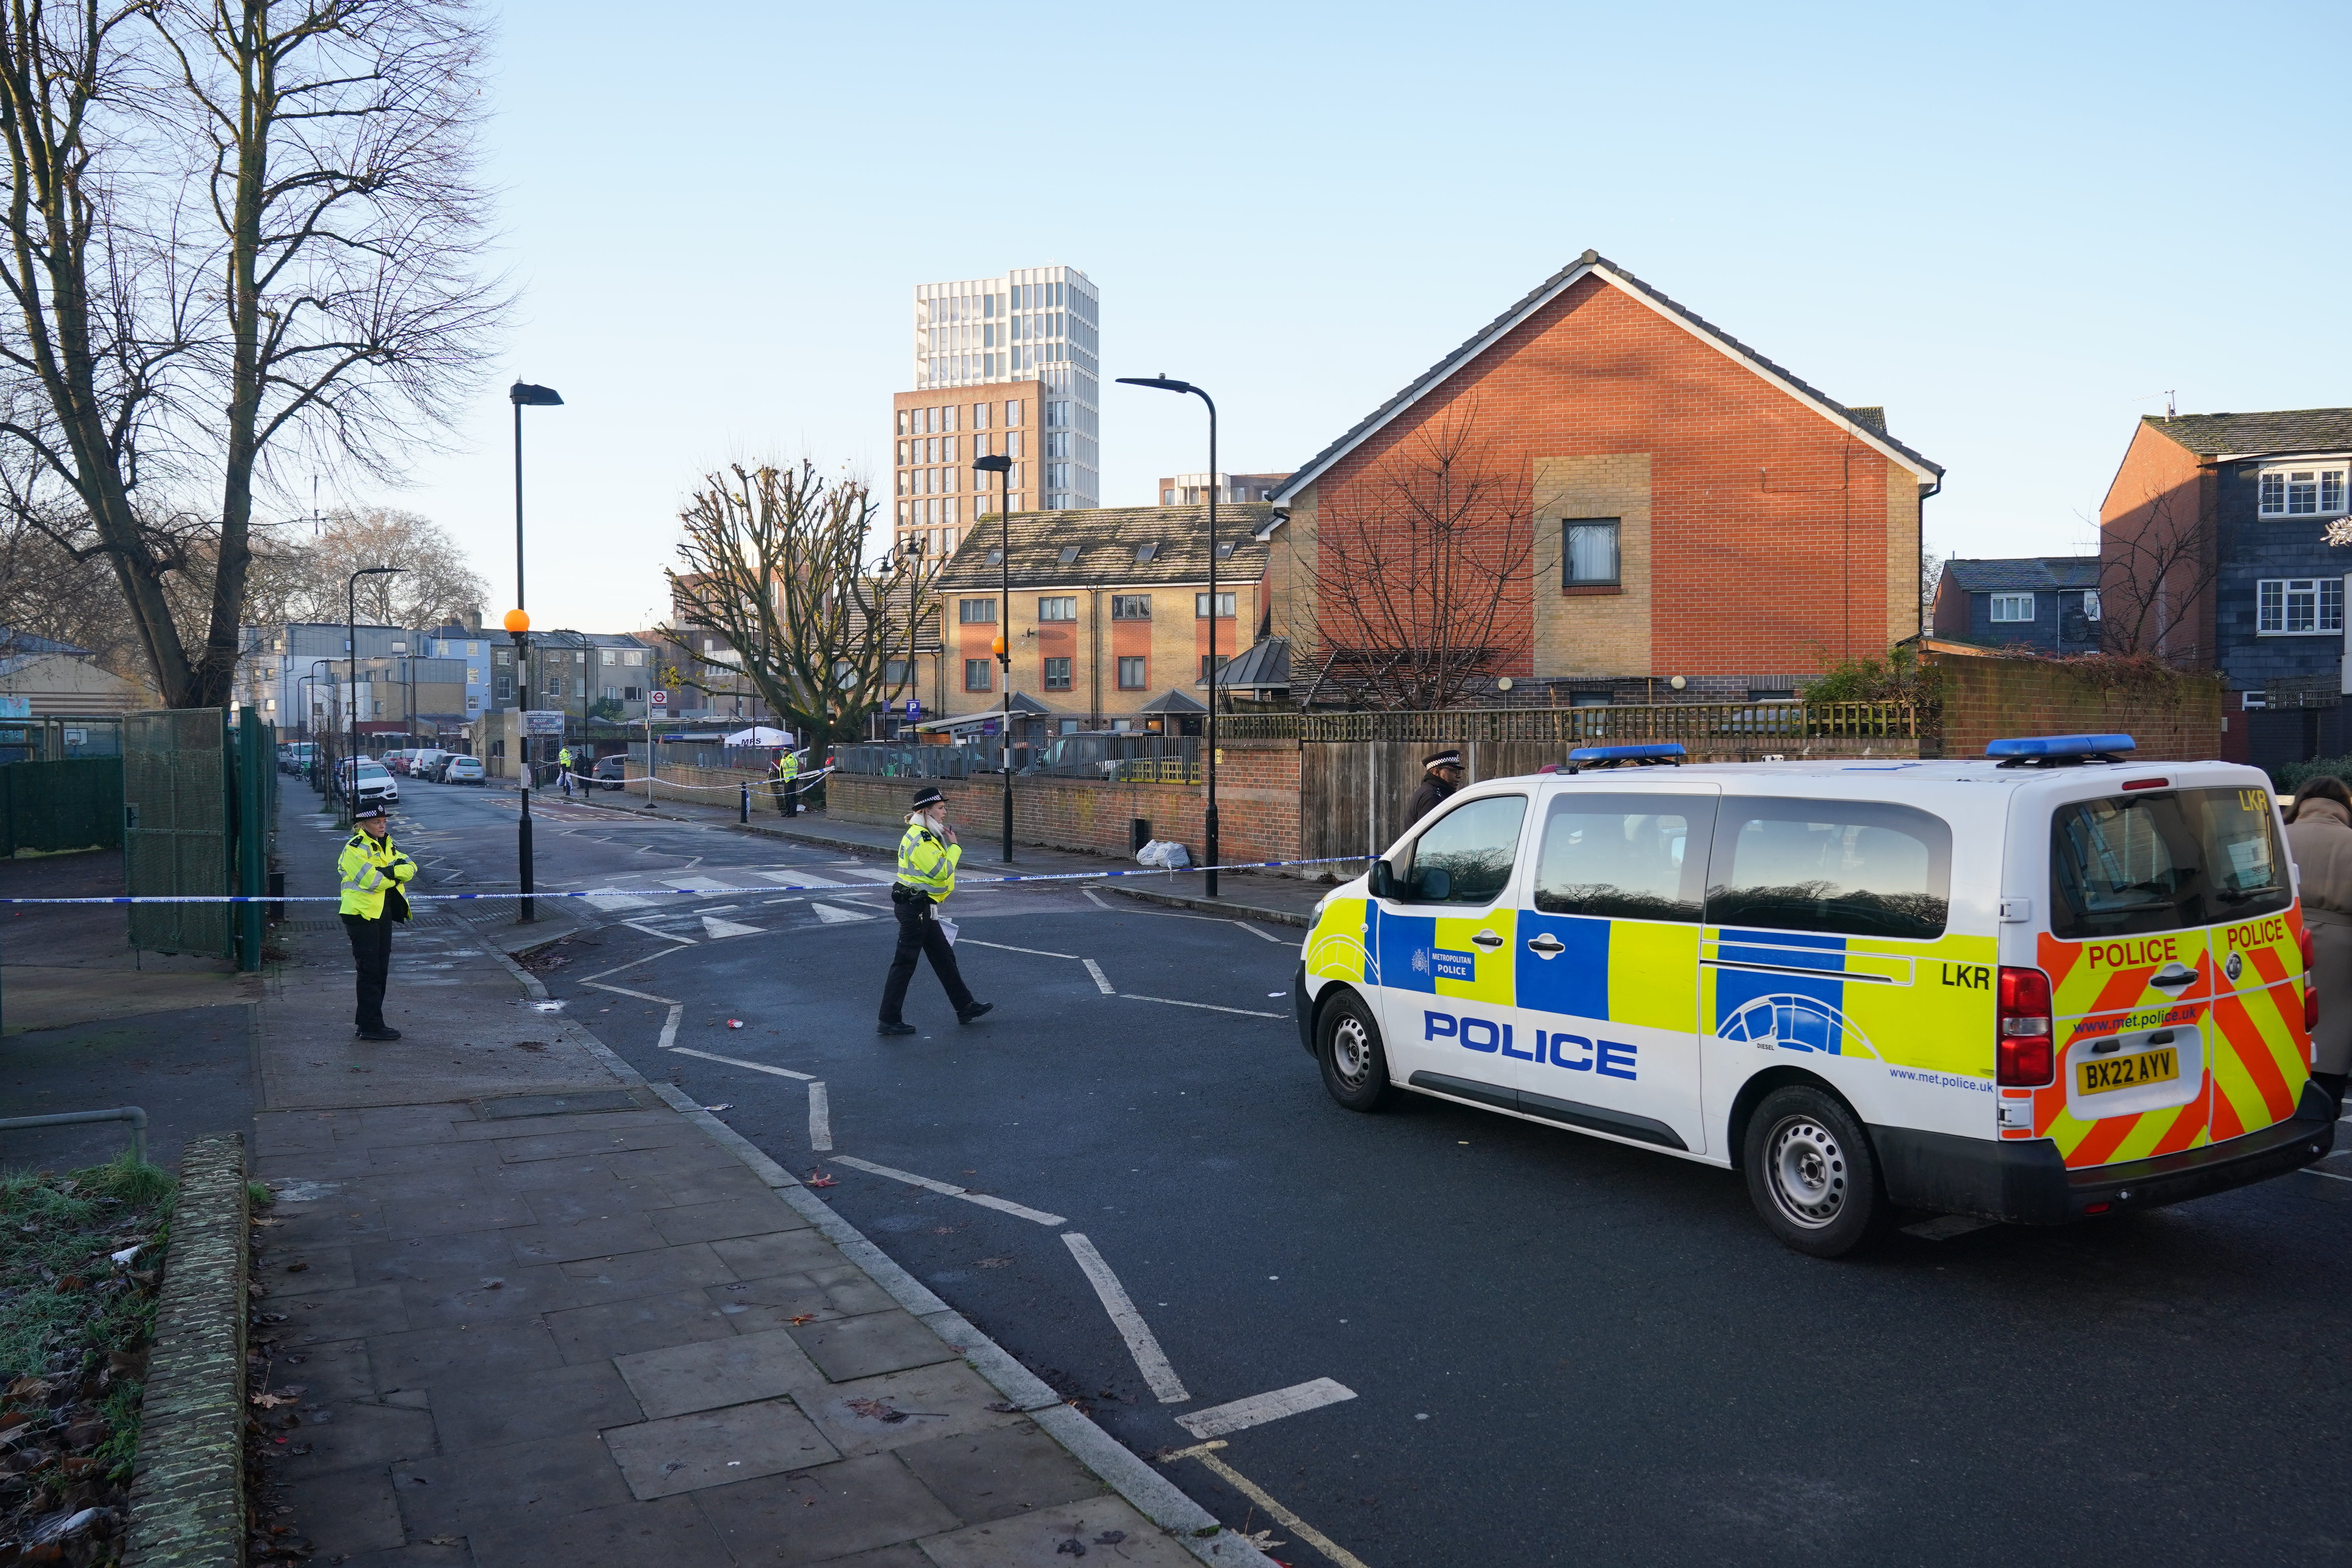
x: 1558, y: 1349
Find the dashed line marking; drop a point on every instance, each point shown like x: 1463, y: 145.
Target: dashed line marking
x: 1008, y: 947
x: 658, y: 935
x: 624, y: 991
x: 1101, y: 980
x: 1210, y: 1006
x: 1260, y: 1408
x: 820, y: 1119
x: 1262, y: 935
x: 669, y: 1027
x: 1141, y: 1343
x: 591, y: 979
x: 740, y: 1062
x: 951, y: 1190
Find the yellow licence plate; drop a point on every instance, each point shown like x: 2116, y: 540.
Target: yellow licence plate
x: 2103, y: 1073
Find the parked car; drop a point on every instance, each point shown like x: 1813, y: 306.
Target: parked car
x: 375, y: 782
x: 610, y: 772
x: 423, y: 759
x: 294, y: 757
x: 461, y: 770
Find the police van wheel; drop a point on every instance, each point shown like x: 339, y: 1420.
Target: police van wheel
x: 1813, y: 1173
x: 1355, y: 1068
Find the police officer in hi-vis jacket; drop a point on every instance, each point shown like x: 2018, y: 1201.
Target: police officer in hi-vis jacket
x: 927, y: 856
x: 373, y: 874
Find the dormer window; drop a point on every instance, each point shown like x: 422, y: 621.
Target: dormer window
x: 2314, y: 491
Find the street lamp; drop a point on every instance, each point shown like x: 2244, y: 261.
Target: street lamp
x: 351, y: 654
x: 523, y: 394
x: 318, y: 777
x: 1002, y: 467
x: 1209, y: 823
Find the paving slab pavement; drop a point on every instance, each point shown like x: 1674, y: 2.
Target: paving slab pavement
x: 544, y: 1311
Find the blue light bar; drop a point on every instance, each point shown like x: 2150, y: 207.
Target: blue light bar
x: 1656, y: 752
x: 2054, y: 746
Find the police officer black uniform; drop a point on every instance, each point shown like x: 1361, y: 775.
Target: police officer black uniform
x: 927, y: 856
x: 1440, y: 776
x: 373, y: 872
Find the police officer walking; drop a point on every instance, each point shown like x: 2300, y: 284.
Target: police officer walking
x: 927, y: 856
x: 1440, y: 776
x: 373, y: 873
x: 780, y: 782
x: 563, y: 764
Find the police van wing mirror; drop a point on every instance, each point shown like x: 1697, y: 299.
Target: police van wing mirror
x: 1383, y: 880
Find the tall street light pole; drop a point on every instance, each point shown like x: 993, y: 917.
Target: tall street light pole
x: 1000, y: 465
x: 1209, y: 823
x: 523, y: 394
x: 351, y: 653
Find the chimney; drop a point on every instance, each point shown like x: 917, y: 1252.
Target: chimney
x: 471, y: 615
x: 1873, y: 418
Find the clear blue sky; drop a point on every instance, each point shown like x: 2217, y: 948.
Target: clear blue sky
x: 2015, y: 226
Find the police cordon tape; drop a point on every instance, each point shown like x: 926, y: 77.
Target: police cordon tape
x: 767, y: 785
x: 834, y: 888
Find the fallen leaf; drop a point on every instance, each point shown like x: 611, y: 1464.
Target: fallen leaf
x: 819, y: 1179
x: 270, y: 1402
x: 804, y: 1318
x: 722, y: 1105
x: 296, y: 1268
x: 872, y: 1409
x: 443, y: 1540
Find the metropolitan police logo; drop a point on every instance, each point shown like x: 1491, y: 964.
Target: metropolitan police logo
x: 1420, y: 961
x: 2235, y: 967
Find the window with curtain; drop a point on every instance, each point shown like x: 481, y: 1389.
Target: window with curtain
x: 1590, y: 557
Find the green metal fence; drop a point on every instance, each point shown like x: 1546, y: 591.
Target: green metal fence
x: 176, y: 775
x: 50, y: 807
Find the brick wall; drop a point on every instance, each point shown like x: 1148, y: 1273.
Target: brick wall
x: 2174, y: 716
x: 1258, y: 807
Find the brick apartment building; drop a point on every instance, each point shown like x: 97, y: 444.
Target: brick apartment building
x: 935, y: 502
x: 2214, y: 554
x: 1692, y: 509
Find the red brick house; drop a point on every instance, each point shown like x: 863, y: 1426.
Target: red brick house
x: 1644, y: 497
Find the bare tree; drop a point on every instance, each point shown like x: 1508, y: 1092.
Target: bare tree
x: 2157, y: 565
x: 303, y: 579
x: 233, y: 230
x: 774, y: 563
x: 1412, y: 579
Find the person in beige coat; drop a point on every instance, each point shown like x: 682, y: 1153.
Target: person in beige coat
x: 2319, y: 837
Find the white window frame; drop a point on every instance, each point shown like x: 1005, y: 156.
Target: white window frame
x: 2278, y: 600
x: 2275, y: 486
x: 2009, y: 602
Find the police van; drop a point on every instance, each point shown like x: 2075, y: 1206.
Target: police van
x: 2054, y: 983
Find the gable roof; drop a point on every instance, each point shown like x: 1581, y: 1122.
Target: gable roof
x: 1869, y: 426
x: 2040, y: 574
x: 2247, y: 435
x: 1106, y: 540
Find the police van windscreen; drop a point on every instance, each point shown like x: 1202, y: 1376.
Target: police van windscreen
x: 2161, y: 861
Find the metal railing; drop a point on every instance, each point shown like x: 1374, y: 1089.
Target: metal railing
x: 1169, y: 759
x: 1693, y: 723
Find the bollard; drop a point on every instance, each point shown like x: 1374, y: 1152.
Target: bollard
x: 744, y: 811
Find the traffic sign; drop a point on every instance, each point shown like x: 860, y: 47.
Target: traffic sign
x: 914, y: 710
x: 657, y: 698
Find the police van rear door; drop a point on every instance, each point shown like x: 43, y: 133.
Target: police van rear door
x: 1608, y: 957
x: 2174, y: 964
x: 1445, y: 946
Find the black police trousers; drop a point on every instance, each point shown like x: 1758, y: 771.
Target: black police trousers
x: 372, y: 957
x: 918, y: 933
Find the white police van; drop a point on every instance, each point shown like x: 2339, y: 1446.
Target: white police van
x: 2054, y: 983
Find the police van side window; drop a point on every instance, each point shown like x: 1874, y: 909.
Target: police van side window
x: 1843, y: 867
x: 1624, y: 856
x: 1465, y: 855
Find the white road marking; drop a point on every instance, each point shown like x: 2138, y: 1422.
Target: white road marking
x: 1101, y: 980
x: 1008, y: 947
x: 617, y: 901
x: 1260, y: 1408
x: 800, y: 879
x: 694, y: 884
x: 740, y: 1062
x: 658, y: 935
x: 1150, y: 1359
x: 820, y: 1119
x: 1210, y: 1006
x: 870, y: 876
x: 632, y: 963
x: 951, y: 1190
x: 669, y: 1027
x: 1090, y: 893
x: 2310, y: 1171
x: 1206, y: 1454
x: 623, y: 991
x: 833, y: 914
x: 715, y: 927
x: 1262, y: 935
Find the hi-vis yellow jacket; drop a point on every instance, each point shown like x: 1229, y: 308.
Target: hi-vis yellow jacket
x: 788, y: 768
x: 371, y: 867
x: 927, y: 863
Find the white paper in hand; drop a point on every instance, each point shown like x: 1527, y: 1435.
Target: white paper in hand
x: 948, y: 929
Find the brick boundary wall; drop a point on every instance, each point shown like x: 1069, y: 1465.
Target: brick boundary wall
x: 2174, y: 716
x: 1258, y: 807
x: 187, y: 1494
